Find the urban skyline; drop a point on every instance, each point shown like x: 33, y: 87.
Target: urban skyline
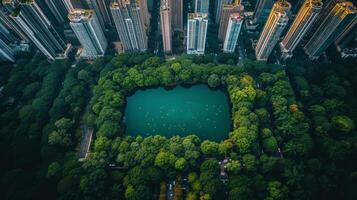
x: 282, y: 31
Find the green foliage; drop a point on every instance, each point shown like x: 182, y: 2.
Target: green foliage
x: 214, y: 80
x: 61, y: 135
x: 343, y: 123
x: 180, y: 164
x: 270, y: 145
x: 54, y: 170
x: 234, y: 167
x: 209, y: 147
x: 305, y: 111
x: 276, y: 191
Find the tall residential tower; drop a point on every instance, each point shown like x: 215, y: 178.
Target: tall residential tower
x: 219, y: 5
x: 165, y: 21
x: 73, y: 4
x: 273, y: 29
x: 6, y: 9
x: 6, y: 53
x: 201, y: 6
x: 39, y: 29
x: 176, y: 7
x: 304, y: 19
x: 129, y: 25
x: 85, y: 25
x: 196, y: 33
x: 233, y: 30
x: 58, y: 10
x: 262, y: 10
x: 336, y: 22
x: 227, y: 10
x: 101, y: 9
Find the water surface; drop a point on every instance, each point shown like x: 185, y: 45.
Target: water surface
x: 179, y: 111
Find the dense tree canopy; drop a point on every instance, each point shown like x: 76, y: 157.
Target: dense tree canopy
x: 293, y: 135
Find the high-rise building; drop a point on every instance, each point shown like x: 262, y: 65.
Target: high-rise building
x: 176, y: 7
x: 39, y: 29
x: 165, y: 19
x: 5, y: 10
x: 129, y: 25
x: 201, y: 6
x: 303, y: 21
x: 233, y: 30
x: 85, y: 25
x: 273, y: 29
x: 58, y: 10
x: 150, y: 4
x: 349, y: 34
x: 346, y: 43
x: 100, y: 8
x: 144, y: 12
x: 73, y: 4
x: 227, y: 10
x: 262, y: 10
x: 337, y: 21
x: 5, y: 34
x: 327, y: 7
x: 9, y: 5
x: 6, y: 53
x: 219, y: 5
x: 196, y: 33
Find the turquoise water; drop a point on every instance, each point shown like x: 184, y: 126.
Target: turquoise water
x: 180, y: 111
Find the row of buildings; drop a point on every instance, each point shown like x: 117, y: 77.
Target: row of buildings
x: 29, y: 21
x: 315, y: 27
x: 229, y: 14
x: 35, y: 21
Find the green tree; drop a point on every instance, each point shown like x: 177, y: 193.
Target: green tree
x: 276, y: 191
x: 181, y: 164
x: 249, y: 162
x: 165, y: 160
x: 54, y: 170
x: 209, y: 147
x: 270, y: 145
x: 343, y: 123
x: 234, y: 166
x: 214, y: 80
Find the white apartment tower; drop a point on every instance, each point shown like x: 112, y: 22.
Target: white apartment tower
x: 86, y: 26
x: 196, y: 33
x: 234, y: 26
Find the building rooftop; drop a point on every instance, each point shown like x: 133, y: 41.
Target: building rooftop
x: 26, y: 1
x: 350, y: 8
x: 316, y: 3
x: 237, y: 16
x: 7, y: 1
x: 197, y: 15
x: 120, y: 3
x: 282, y: 7
x: 80, y: 15
x: 164, y: 5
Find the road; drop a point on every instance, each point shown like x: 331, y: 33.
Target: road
x: 242, y: 52
x: 223, y: 165
x: 85, y: 142
x: 170, y: 190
